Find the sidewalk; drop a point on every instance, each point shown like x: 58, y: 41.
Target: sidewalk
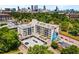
x: 23, y: 49
x: 55, y: 51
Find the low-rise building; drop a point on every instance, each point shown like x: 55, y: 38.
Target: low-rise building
x: 73, y: 15
x: 5, y: 17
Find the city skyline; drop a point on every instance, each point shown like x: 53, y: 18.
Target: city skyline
x: 50, y: 7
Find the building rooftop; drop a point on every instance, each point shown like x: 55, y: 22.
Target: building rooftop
x: 23, y: 26
x: 4, y: 15
x: 35, y: 22
x: 46, y: 25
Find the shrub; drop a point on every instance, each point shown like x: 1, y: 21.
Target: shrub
x: 39, y: 50
x: 70, y: 50
x: 54, y: 45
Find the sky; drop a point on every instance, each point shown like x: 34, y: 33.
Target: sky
x: 50, y: 7
x: 50, y: 4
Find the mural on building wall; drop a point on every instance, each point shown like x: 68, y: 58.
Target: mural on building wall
x: 54, y: 35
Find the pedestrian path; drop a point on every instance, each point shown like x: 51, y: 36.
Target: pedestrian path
x: 23, y: 49
x: 54, y: 50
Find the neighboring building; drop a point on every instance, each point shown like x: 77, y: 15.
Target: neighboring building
x: 23, y: 10
x: 32, y: 7
x: 35, y: 7
x: 5, y: 17
x: 12, y: 24
x: 57, y: 9
x: 73, y: 15
x: 44, y: 7
x: 18, y: 8
x: 6, y: 12
x: 7, y: 9
x: 37, y: 28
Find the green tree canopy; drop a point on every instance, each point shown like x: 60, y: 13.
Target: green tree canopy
x: 54, y: 45
x: 8, y: 40
x: 39, y: 50
x: 70, y: 50
x: 66, y: 24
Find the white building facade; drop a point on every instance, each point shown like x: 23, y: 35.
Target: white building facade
x: 36, y: 28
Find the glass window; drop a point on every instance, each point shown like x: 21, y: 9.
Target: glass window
x: 29, y: 31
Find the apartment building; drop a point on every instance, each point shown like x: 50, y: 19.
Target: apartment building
x: 5, y: 17
x: 36, y: 28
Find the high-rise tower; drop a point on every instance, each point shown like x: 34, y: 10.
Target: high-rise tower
x: 18, y: 8
x: 57, y: 9
x: 44, y: 7
x: 32, y: 7
x: 35, y: 7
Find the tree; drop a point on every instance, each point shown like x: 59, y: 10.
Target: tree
x: 8, y: 40
x: 70, y: 50
x: 66, y: 24
x: 54, y: 45
x: 39, y: 50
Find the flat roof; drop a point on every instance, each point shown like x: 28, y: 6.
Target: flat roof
x: 42, y: 24
x: 47, y: 25
x: 4, y: 15
x: 23, y: 26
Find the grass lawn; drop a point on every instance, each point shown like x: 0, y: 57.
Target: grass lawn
x: 69, y: 35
